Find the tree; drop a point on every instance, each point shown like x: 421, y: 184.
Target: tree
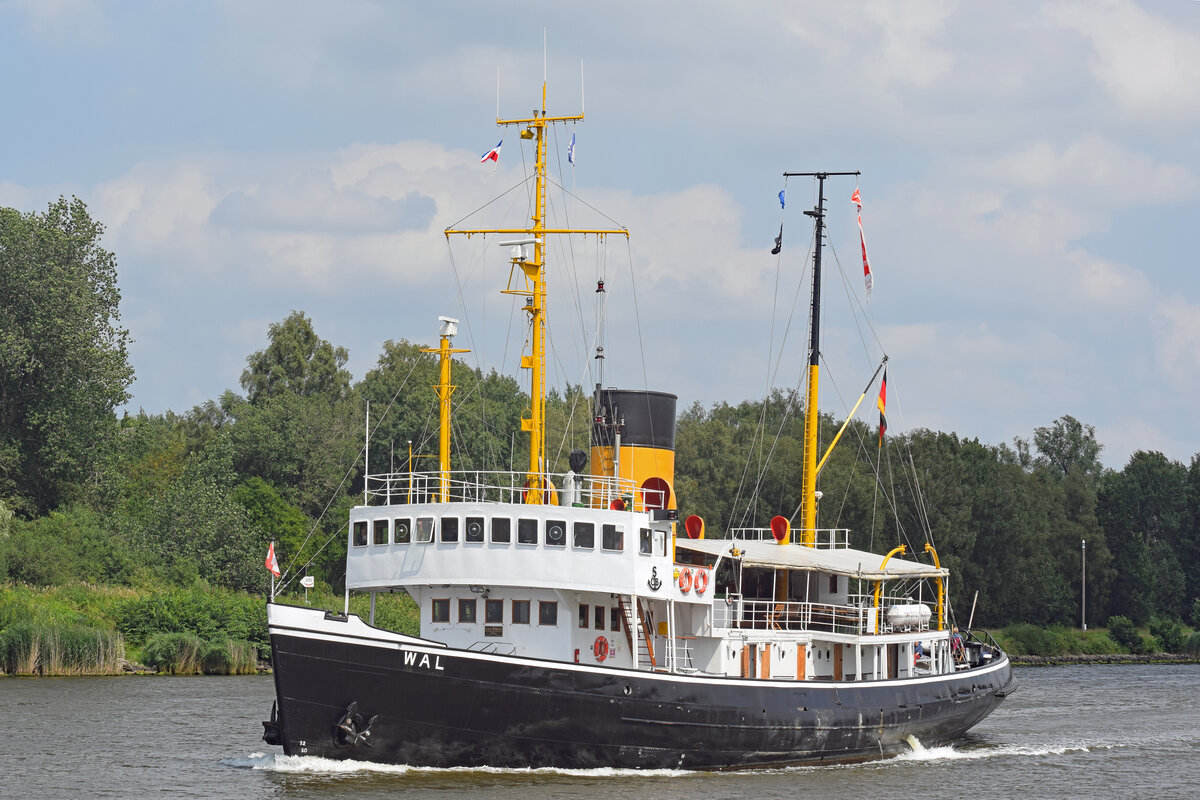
x: 298, y: 361
x: 63, y: 359
x: 1067, y: 444
x: 1142, y: 510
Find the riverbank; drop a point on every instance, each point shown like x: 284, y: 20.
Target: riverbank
x: 1110, y: 658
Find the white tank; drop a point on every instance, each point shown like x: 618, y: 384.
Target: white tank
x: 911, y: 615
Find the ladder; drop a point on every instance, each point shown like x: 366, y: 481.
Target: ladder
x: 637, y: 628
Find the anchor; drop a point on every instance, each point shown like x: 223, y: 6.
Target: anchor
x: 655, y: 583
x: 350, y: 729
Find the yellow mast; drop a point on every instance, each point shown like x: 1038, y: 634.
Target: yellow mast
x: 448, y: 329
x: 808, y: 497
x: 533, y: 288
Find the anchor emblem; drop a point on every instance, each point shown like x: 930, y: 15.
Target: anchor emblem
x: 654, y: 583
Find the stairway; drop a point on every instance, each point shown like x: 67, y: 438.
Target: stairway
x: 637, y: 633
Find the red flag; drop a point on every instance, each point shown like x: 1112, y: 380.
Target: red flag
x: 272, y: 564
x: 868, y: 279
x: 882, y: 405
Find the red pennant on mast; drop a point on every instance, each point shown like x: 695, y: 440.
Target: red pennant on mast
x: 868, y: 279
x: 271, y: 563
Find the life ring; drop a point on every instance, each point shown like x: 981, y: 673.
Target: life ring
x: 701, y: 581
x: 685, y: 580
x: 600, y: 648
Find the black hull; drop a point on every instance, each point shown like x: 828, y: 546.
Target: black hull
x: 445, y: 708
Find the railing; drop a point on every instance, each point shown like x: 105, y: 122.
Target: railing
x: 589, y: 491
x: 825, y: 538
x: 792, y: 616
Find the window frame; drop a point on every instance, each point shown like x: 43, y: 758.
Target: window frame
x: 359, y: 533
x: 493, y: 533
x: 524, y: 604
x: 561, y: 525
x: 615, y: 530
x: 421, y: 536
x: 436, y: 604
x: 550, y: 606
x: 404, y: 523
x: 468, y: 537
x: 448, y: 530
x: 583, y: 530
x: 468, y: 611
x: 523, y: 524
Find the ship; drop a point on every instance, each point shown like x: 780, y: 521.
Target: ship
x: 577, y: 621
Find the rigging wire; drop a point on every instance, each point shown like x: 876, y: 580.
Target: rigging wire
x: 290, y: 573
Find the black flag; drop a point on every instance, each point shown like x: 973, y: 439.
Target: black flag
x: 778, y: 242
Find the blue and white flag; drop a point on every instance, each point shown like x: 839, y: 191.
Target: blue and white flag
x: 571, y: 149
x: 781, y: 198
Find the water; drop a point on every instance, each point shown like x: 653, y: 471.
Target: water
x: 1094, y: 731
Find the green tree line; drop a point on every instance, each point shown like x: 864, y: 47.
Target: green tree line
x: 191, y: 499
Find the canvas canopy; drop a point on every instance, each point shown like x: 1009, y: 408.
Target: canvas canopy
x: 843, y: 561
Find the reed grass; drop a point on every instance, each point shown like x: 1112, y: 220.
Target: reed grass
x: 29, y: 648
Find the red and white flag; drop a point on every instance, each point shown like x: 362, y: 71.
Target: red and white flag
x: 868, y: 279
x: 493, y: 154
x: 272, y: 564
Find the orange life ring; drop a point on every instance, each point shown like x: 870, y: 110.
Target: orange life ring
x: 701, y: 581
x: 685, y: 580
x: 600, y: 648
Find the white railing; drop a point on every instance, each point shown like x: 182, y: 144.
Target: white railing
x: 826, y: 538
x: 589, y: 491
x: 734, y: 612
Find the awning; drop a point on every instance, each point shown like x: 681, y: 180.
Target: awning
x: 843, y: 561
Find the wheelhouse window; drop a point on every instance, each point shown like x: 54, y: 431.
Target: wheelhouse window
x: 583, y: 614
x: 556, y: 533
x: 585, y: 535
x: 401, y: 531
x: 449, y: 532
x: 380, y: 532
x: 660, y: 543
x: 360, y: 534
x: 645, y: 541
x: 599, y: 618
x: 493, y: 611
x: 501, y: 530
x: 474, y: 529
x: 614, y: 619
x: 548, y: 612
x: 520, y: 612
x: 440, y: 609
x: 466, y: 610
x: 612, y: 537
x: 424, y: 529
x: 527, y: 531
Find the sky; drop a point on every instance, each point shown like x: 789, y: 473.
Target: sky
x: 1030, y: 172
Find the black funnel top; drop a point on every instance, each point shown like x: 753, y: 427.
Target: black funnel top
x: 646, y: 419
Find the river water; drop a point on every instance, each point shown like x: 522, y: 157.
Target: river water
x: 1088, y: 731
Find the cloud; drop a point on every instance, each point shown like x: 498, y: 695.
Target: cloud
x: 1148, y: 64
x: 65, y: 20
x: 1177, y: 350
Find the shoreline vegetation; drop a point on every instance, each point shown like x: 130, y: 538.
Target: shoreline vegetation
x: 82, y: 629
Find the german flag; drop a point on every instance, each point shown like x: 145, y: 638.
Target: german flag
x: 882, y: 404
